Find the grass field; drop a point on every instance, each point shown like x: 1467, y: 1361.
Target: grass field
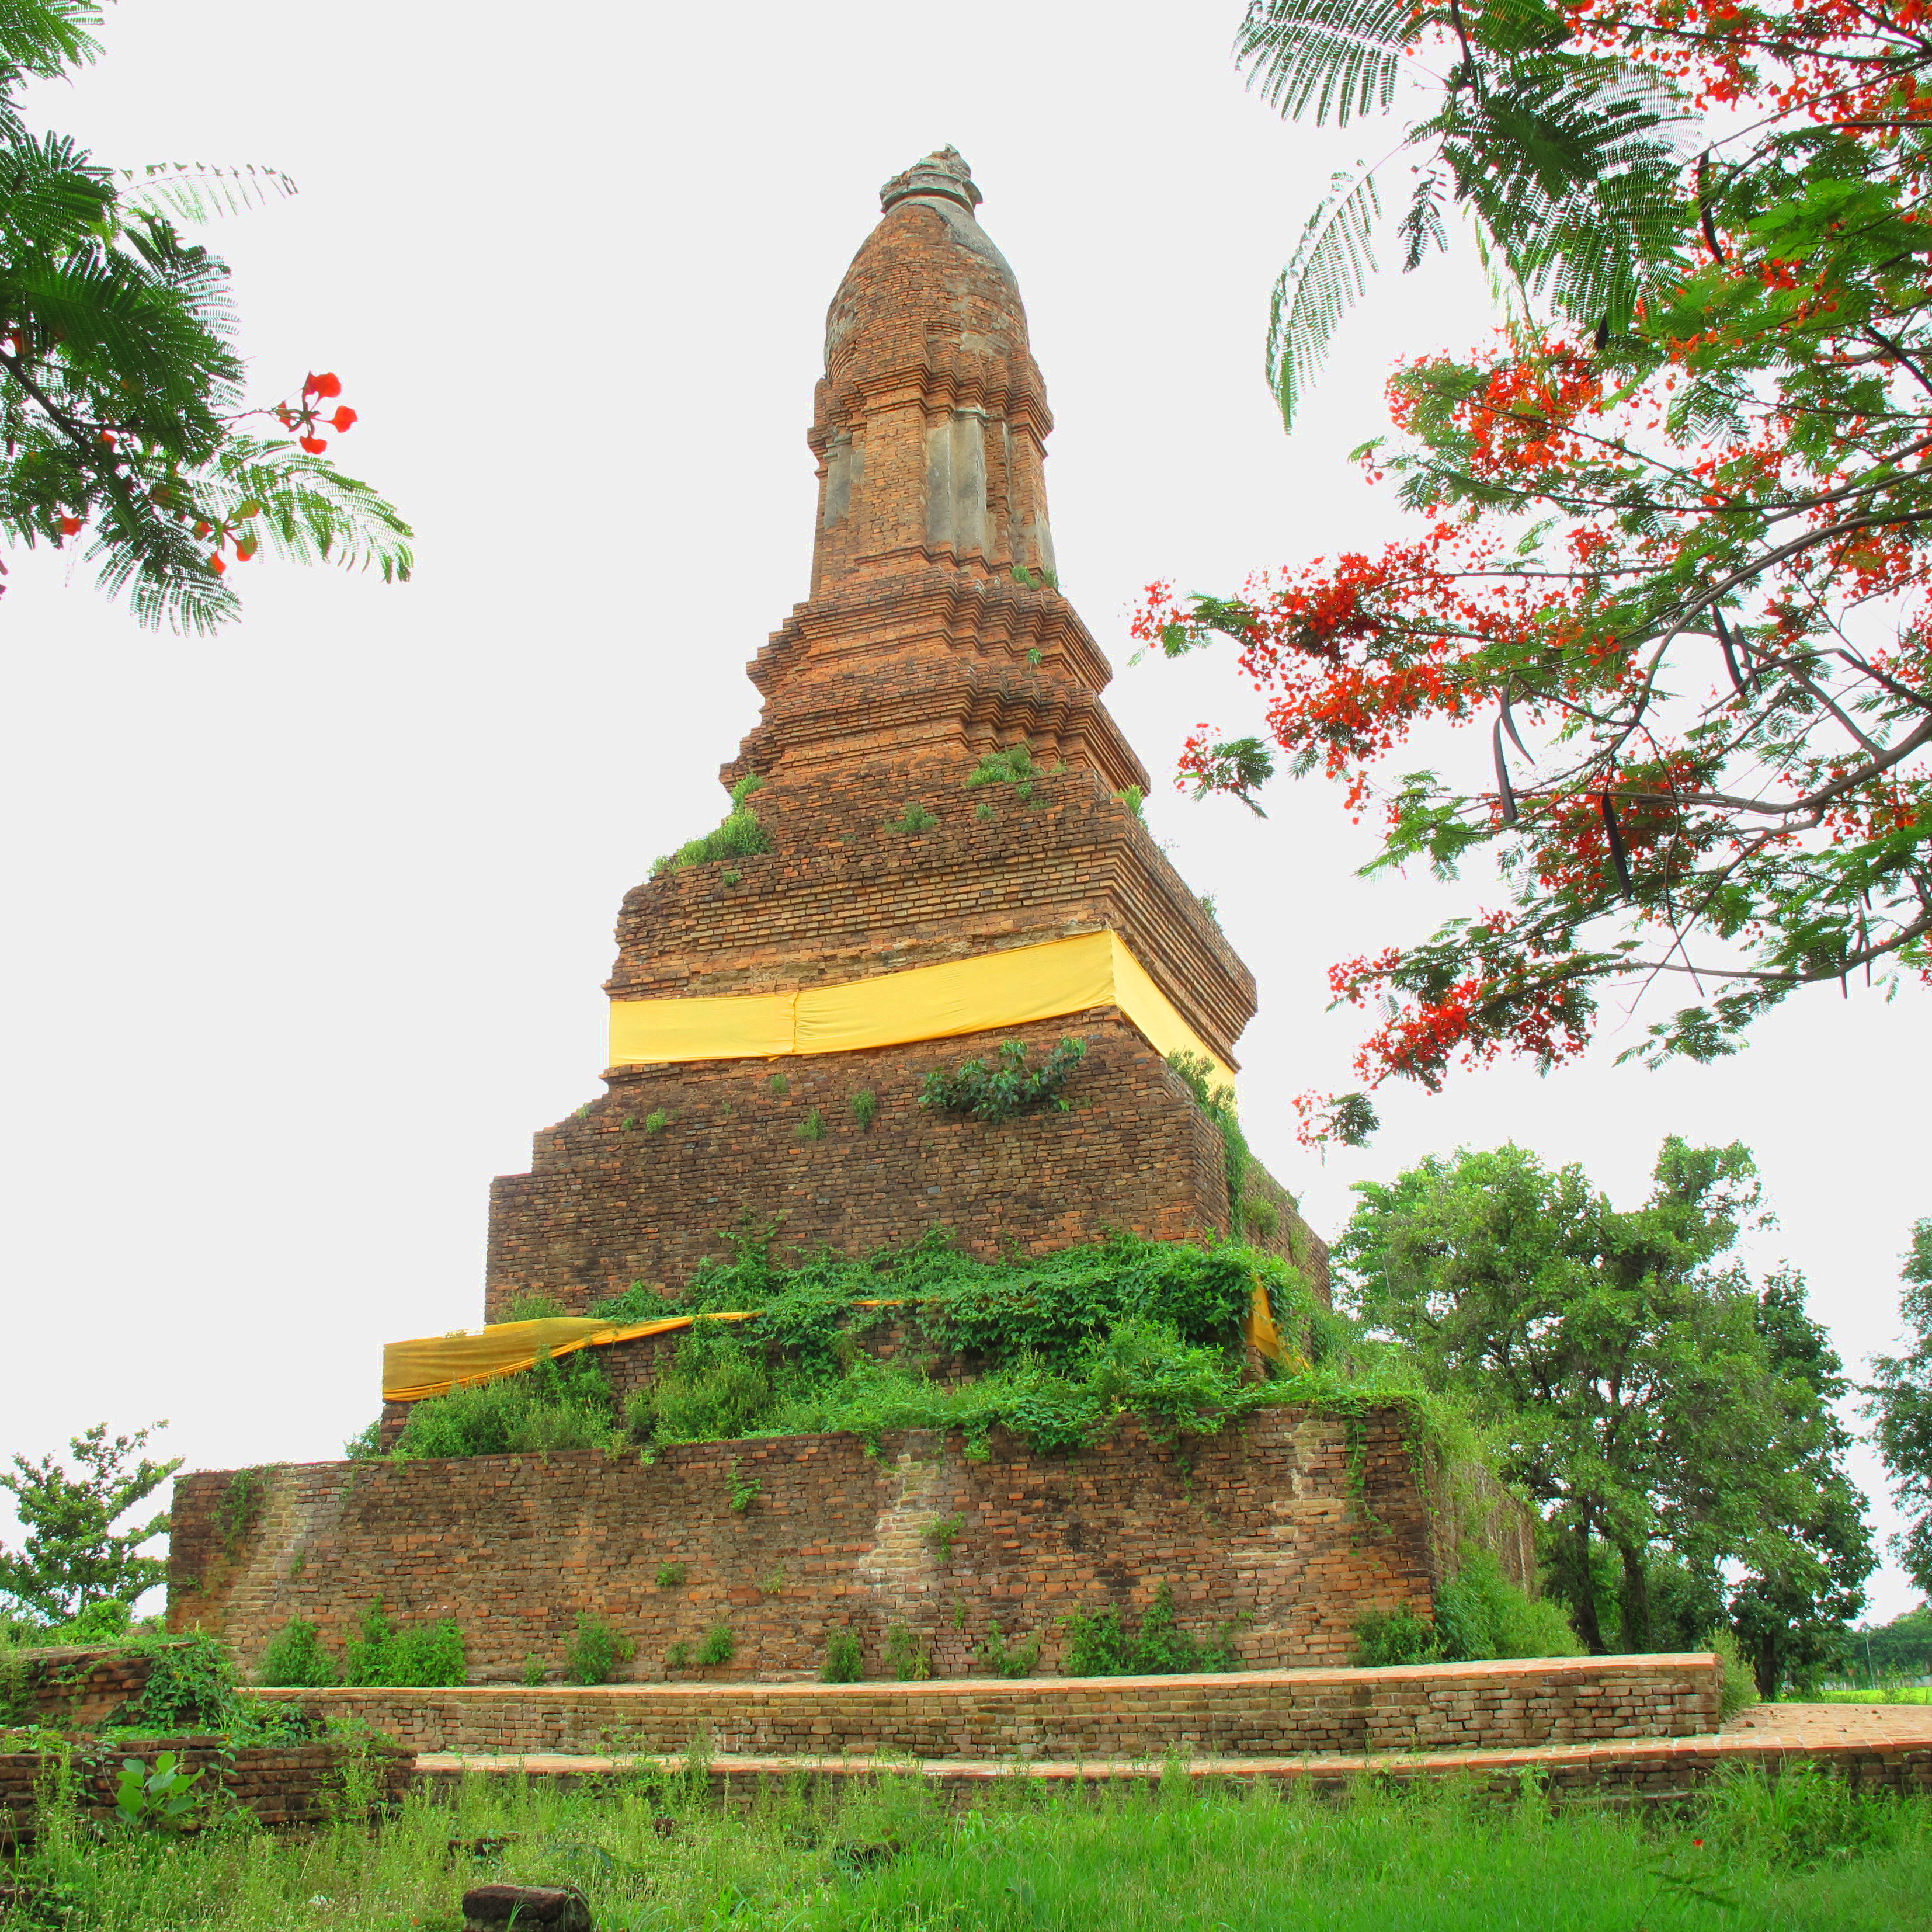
x: 1891, y: 1693
x: 1805, y: 1855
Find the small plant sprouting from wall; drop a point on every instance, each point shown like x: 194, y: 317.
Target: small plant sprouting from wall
x: 906, y: 1652
x: 865, y: 1109
x: 1035, y: 656
x: 917, y: 820
x: 719, y: 1646
x: 739, y: 836
x: 240, y: 1506
x: 537, y: 1307
x: 678, y: 1658
x: 780, y: 1085
x: 656, y: 1120
x: 844, y: 1657
x: 1259, y: 1217
x: 1041, y: 579
x: 670, y: 1575
x: 595, y: 1653
x: 1003, y: 1659
x: 812, y: 1127
x: 1133, y: 798
x: 1011, y: 1087
x: 533, y: 1672
x: 731, y: 876
x: 1099, y: 1646
x: 773, y: 1585
x: 940, y: 1536
x: 746, y: 1490
x: 1011, y: 765
x: 1217, y: 1102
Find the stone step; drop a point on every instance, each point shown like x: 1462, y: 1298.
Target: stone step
x: 1405, y: 1708
x: 1874, y: 1750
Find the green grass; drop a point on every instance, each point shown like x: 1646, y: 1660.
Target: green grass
x: 1805, y: 1856
x: 1880, y: 1693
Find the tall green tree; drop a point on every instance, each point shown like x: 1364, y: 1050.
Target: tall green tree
x: 73, y: 1554
x: 124, y: 424
x: 1648, y: 1395
x: 1899, y: 1401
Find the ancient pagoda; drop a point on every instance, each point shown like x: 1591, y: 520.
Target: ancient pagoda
x: 934, y: 849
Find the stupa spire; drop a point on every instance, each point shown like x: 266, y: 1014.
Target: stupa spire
x: 931, y: 420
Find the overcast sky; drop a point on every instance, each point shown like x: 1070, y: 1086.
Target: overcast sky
x: 308, y: 923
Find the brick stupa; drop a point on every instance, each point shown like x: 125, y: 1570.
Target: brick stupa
x: 933, y: 636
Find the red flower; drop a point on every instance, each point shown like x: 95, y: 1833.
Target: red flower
x: 314, y: 444
x: 215, y: 564
x: 323, y: 386
x: 342, y: 419
x: 69, y: 525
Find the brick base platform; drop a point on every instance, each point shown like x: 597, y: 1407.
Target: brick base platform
x: 1407, y: 1708
x: 1871, y: 1756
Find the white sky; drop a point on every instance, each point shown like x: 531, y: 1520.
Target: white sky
x: 308, y: 923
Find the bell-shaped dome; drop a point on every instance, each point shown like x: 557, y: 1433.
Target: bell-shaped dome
x: 932, y: 418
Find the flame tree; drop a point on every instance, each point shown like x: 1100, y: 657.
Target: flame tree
x: 123, y: 424
x: 1674, y: 521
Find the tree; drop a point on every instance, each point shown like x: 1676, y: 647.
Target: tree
x: 73, y: 1555
x: 120, y: 393
x: 1656, y: 1405
x: 1675, y: 549
x: 1899, y: 1402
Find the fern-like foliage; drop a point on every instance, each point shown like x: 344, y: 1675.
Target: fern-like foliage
x: 1567, y: 164
x: 1326, y: 277
x: 121, y: 396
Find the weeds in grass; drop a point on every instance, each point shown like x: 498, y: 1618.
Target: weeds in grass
x: 1165, y: 1854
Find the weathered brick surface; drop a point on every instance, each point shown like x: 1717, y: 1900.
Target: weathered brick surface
x: 1428, y: 1707
x: 1278, y: 1520
x: 919, y: 651
x: 608, y: 1203
x: 73, y: 1686
x: 282, y: 1784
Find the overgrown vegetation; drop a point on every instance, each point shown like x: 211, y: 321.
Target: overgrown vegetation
x: 597, y: 1652
x: 419, y: 1656
x: 1479, y: 1613
x: 1007, y: 1088
x: 1100, y: 1645
x: 740, y: 836
x: 1060, y: 1347
x: 1163, y: 1856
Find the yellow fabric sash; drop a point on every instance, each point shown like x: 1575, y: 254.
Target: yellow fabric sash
x: 435, y: 1364
x: 981, y: 995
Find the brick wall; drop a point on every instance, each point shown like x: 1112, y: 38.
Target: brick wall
x: 71, y: 1686
x: 284, y: 1785
x: 1266, y: 1523
x: 1428, y: 1707
x: 608, y: 1203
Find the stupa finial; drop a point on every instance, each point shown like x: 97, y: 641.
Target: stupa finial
x: 942, y: 173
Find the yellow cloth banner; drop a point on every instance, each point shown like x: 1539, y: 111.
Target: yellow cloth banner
x: 980, y: 994
x: 435, y: 1364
